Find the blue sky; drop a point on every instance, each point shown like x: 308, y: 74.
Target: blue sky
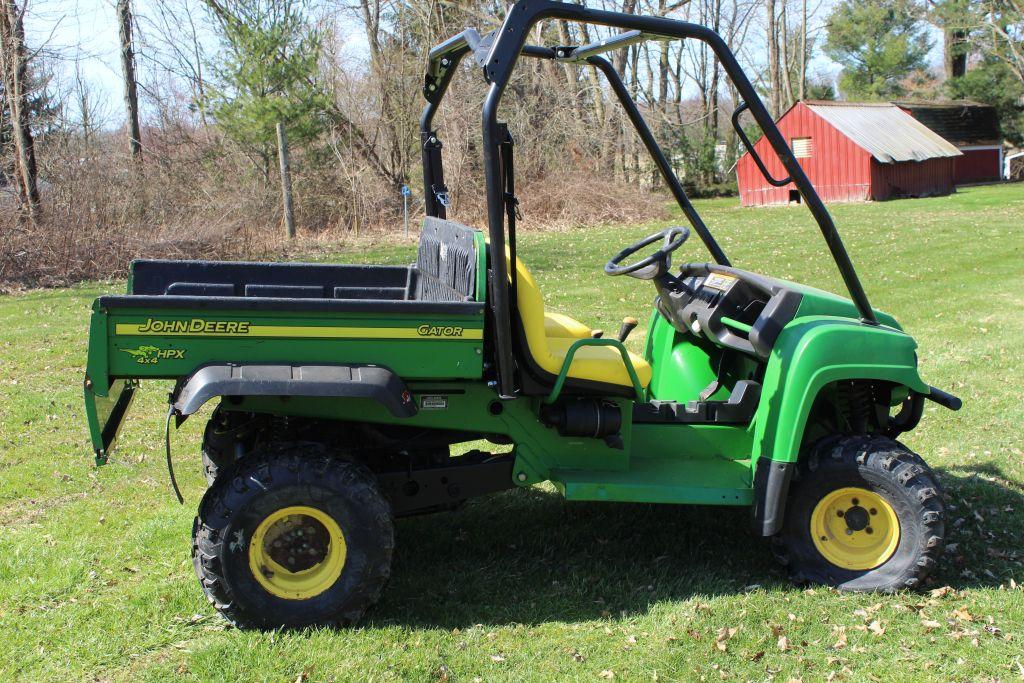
x: 67, y: 26
x: 89, y: 28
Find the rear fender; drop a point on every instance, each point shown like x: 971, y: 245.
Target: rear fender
x: 810, y: 354
x: 370, y: 382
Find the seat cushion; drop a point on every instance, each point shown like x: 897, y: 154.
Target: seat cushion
x: 561, y: 325
x: 597, y: 363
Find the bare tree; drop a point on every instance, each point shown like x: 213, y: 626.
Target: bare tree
x: 774, y: 73
x: 131, y: 91
x: 786, y: 99
x: 802, y: 73
x: 14, y: 65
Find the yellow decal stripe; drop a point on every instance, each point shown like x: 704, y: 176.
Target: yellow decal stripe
x: 315, y: 332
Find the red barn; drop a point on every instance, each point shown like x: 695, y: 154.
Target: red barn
x: 973, y: 128
x: 853, y: 152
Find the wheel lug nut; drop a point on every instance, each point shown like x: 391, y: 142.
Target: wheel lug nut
x: 856, y: 502
x: 849, y: 532
x: 873, y: 511
x: 840, y: 513
x: 869, y: 530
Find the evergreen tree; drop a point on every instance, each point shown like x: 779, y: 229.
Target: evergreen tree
x: 878, y: 43
x: 266, y: 73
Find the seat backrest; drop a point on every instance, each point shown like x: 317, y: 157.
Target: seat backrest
x: 447, y: 261
x: 531, y: 308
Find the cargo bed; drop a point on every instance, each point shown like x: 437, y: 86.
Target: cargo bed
x: 423, y: 321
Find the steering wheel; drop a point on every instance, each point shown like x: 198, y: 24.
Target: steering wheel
x: 654, y: 265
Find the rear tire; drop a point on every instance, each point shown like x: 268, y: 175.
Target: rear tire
x: 865, y: 514
x: 251, y: 524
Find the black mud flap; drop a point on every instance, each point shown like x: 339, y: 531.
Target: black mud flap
x: 106, y: 415
x: 771, y: 486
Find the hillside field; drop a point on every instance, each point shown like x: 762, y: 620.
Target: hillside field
x: 96, y: 582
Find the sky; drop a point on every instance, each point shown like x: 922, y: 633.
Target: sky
x: 89, y: 28
x: 66, y: 27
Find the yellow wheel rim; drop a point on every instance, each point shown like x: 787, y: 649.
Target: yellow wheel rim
x: 297, y: 552
x: 855, y: 528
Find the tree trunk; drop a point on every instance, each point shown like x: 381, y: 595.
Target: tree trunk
x: 14, y: 65
x: 131, y: 91
x: 954, y: 54
x: 802, y: 86
x: 286, y: 182
x: 634, y: 89
x: 568, y: 69
x: 787, y: 85
x: 715, y: 73
x: 596, y: 90
x: 773, y: 59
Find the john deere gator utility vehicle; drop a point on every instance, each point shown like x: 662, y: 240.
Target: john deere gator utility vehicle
x: 341, y: 389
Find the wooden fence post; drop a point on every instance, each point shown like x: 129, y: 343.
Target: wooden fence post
x: 286, y: 181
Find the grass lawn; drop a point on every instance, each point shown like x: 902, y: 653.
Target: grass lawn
x: 96, y: 580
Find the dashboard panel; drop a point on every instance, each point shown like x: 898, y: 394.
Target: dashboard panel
x: 736, y: 309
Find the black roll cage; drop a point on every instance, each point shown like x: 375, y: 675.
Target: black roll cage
x: 497, y: 52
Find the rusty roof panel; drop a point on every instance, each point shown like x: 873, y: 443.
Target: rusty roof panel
x: 885, y: 131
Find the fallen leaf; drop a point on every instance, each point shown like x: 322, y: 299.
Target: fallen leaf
x: 962, y: 614
x: 607, y: 675
x: 941, y: 592
x: 930, y: 624
x: 497, y: 658
x: 723, y: 636
x: 840, y: 638
x: 783, y: 643
x: 876, y: 628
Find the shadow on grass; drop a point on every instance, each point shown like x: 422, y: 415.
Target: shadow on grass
x: 530, y: 557
x: 983, y: 542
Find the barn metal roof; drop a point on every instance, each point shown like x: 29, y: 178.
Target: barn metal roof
x: 885, y: 131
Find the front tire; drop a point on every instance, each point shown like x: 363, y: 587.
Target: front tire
x: 293, y: 536
x: 865, y: 514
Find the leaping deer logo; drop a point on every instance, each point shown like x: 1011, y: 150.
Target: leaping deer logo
x: 152, y: 354
x: 142, y: 351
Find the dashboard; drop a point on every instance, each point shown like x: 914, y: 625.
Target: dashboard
x: 734, y: 308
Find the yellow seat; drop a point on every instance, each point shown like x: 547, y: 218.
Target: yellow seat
x: 549, y: 336
x: 561, y: 325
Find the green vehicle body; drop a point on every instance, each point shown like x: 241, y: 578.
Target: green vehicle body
x: 349, y: 395
x: 460, y: 369
x: 715, y: 464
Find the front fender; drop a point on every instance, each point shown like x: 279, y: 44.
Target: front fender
x: 813, y: 352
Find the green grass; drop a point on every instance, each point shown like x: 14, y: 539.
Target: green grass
x: 96, y: 581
